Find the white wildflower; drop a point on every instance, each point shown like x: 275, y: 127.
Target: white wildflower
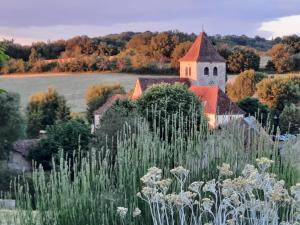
x: 164, y: 184
x: 152, y: 176
x: 210, y: 186
x: 264, y: 163
x: 224, y: 170
x: 136, y: 212
x: 121, y: 211
x: 196, y: 186
x: 207, y: 204
x: 179, y: 171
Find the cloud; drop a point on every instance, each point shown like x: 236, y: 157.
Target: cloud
x: 282, y: 26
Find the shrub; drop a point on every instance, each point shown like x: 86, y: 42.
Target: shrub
x: 289, y: 119
x: 45, y: 108
x: 97, y: 95
x: 73, y: 137
x: 14, y: 66
x: 161, y: 102
x: 11, y: 121
x: 244, y: 85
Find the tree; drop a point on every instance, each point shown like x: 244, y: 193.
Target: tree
x: 162, y: 101
x: 253, y: 107
x: 279, y: 91
x: 3, y: 56
x: 289, y: 119
x: 244, y: 85
x: 123, y: 112
x: 97, y: 95
x: 243, y: 59
x: 281, y: 58
x: 179, y: 51
x: 45, y: 109
x: 33, y: 57
x: 11, y: 121
x: 72, y: 136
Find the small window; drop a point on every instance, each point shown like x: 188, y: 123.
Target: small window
x: 190, y: 71
x: 215, y: 71
x: 206, y: 71
x: 186, y: 71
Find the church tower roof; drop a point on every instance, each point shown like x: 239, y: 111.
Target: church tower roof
x: 202, y: 50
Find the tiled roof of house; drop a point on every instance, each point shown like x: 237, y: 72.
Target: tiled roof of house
x: 147, y: 82
x: 215, y: 101
x: 23, y: 146
x: 202, y: 50
x: 110, y: 101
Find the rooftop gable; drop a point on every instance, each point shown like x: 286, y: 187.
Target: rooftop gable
x: 202, y: 50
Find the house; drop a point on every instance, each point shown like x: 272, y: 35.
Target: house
x: 98, y: 114
x: 203, y: 71
x: 218, y: 108
x: 18, y: 156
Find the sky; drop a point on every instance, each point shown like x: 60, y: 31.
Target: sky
x: 28, y: 21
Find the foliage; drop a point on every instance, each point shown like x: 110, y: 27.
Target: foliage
x: 243, y: 59
x: 281, y: 58
x: 222, y: 200
x: 289, y: 119
x: 179, y: 51
x: 97, y: 95
x: 253, y: 107
x: 279, y: 91
x: 72, y: 136
x: 3, y: 56
x: 45, y: 108
x: 90, y: 193
x: 165, y: 100
x: 244, y: 85
x: 122, y: 113
x: 11, y: 121
x: 14, y: 66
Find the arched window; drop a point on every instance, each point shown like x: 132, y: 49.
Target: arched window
x: 215, y: 71
x: 206, y: 71
x: 190, y: 71
x: 186, y: 71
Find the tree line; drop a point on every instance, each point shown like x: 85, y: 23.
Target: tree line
x: 146, y: 52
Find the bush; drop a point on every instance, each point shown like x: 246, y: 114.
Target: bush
x: 97, y: 95
x: 14, y: 66
x: 253, y: 107
x: 45, y: 108
x: 289, y: 120
x: 244, y: 85
x: 11, y: 122
x: 161, y: 102
x: 73, y: 137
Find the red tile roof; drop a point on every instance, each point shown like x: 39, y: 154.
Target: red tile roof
x: 147, y: 82
x: 215, y: 101
x: 202, y: 50
x: 110, y: 101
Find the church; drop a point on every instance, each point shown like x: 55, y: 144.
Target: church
x: 203, y: 71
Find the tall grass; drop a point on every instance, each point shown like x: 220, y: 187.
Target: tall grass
x: 89, y: 191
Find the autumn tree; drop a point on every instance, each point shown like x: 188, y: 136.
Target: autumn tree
x: 97, y: 95
x: 279, y: 91
x: 179, y: 51
x: 244, y: 85
x: 45, y: 108
x: 243, y: 59
x: 281, y: 58
x: 289, y: 119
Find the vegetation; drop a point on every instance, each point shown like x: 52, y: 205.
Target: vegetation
x: 279, y: 91
x: 45, y: 108
x: 244, y: 85
x: 253, y: 107
x: 97, y: 95
x: 11, y: 122
x: 289, y: 119
x: 73, y: 137
x: 92, y: 192
x: 164, y: 100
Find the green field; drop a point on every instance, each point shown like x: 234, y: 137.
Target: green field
x: 72, y: 86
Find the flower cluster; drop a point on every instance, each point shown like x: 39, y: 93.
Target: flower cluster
x: 253, y: 198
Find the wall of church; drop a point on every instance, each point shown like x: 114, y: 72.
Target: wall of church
x: 188, y: 70
x: 210, y: 79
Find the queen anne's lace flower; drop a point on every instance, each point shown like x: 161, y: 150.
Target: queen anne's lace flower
x: 224, y: 170
x: 264, y: 163
x: 121, y: 211
x: 196, y: 186
x: 136, y: 212
x: 179, y: 171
